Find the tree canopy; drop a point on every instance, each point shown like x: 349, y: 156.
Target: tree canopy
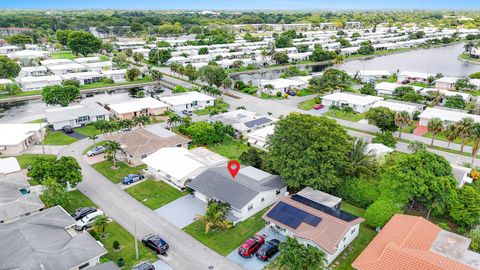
x: 83, y: 43
x: 66, y: 171
x: 60, y: 94
x: 8, y: 67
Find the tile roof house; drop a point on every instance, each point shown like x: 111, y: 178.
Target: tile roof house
x: 47, y: 241
x: 414, y: 243
x: 314, y: 218
x: 137, y: 107
x: 16, y: 200
x: 140, y: 143
x: 248, y: 193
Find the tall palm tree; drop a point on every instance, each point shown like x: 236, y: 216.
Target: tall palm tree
x: 451, y: 133
x: 143, y: 120
x: 174, y: 119
x: 416, y: 146
x: 464, y: 127
x: 227, y: 84
x: 100, y: 223
x: 436, y: 97
x: 475, y: 136
x: 93, y: 138
x: 111, y: 148
x: 215, y: 216
x: 402, y: 119
x: 435, y: 126
x: 468, y: 47
x: 360, y: 160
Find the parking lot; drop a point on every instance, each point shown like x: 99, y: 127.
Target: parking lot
x: 254, y: 263
x: 182, y: 211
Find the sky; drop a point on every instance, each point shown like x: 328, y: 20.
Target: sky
x: 240, y: 4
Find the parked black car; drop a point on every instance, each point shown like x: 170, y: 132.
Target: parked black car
x: 144, y: 266
x: 155, y: 243
x: 405, y: 81
x: 67, y: 129
x: 268, y: 250
x: 83, y: 212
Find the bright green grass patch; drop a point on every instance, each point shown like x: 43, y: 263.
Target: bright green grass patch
x: 154, y: 194
x: 116, y: 175
x: 27, y: 159
x: 103, y: 84
x: 305, y: 92
x: 354, y: 117
x: 88, y: 130
x: 307, y: 104
x: 264, y: 95
x: 58, y: 138
x: 230, y: 148
x: 225, y: 241
x: 115, y: 232
x: 38, y: 121
x: 78, y: 200
x: 63, y: 55
x: 24, y: 93
x: 220, y: 106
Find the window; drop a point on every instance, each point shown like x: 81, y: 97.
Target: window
x: 353, y: 231
x: 345, y: 238
x: 263, y: 199
x: 277, y: 192
x: 250, y: 207
x: 84, y: 265
x: 100, y: 117
x: 83, y: 118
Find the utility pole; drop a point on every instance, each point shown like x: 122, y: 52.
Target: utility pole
x: 135, y: 234
x: 42, y: 132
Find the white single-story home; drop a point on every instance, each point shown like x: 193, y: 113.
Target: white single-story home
x: 9, y: 165
x: 176, y: 165
x: 446, y: 83
x: 249, y: 192
x: 98, y: 66
x: 426, y: 91
x: 243, y: 121
x: 76, y: 115
x: 414, y: 76
x: 387, y: 88
x: 377, y: 150
x: 32, y: 71
x: 272, y: 87
x: 28, y: 54
x: 84, y: 60
x: 448, y: 116
x: 462, y: 175
x: 66, y: 68
x: 55, y: 62
x: 118, y: 75
x: 259, y: 138
x: 314, y: 218
x: 189, y: 101
x: 136, y: 107
x: 400, y: 106
x: 31, y: 83
x: 371, y: 75
x: 8, y: 49
x: 19, y: 137
x: 83, y: 77
x: 359, y: 103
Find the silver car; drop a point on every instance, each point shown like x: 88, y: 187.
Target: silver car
x: 97, y: 150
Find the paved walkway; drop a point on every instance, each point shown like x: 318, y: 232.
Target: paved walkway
x: 49, y: 149
x: 185, y: 252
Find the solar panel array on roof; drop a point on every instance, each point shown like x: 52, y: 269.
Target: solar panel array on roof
x: 258, y: 122
x: 336, y: 213
x: 292, y: 216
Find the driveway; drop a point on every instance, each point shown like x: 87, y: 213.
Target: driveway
x: 318, y: 112
x: 76, y: 135
x: 185, y: 252
x: 160, y: 265
x: 182, y: 211
x: 254, y: 263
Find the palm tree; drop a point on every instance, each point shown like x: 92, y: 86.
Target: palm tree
x: 100, y: 223
x: 468, y: 47
x: 360, y: 160
x: 435, y: 126
x: 464, y: 127
x: 416, y: 146
x: 173, y: 67
x: 451, y: 133
x: 93, y: 138
x: 174, y: 119
x: 227, y: 84
x: 436, y: 97
x: 143, y: 120
x: 215, y: 216
x: 402, y: 119
x: 111, y: 148
x: 475, y: 136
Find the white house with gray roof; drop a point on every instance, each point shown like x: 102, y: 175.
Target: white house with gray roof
x: 47, y: 241
x: 76, y: 115
x: 244, y: 121
x: 248, y: 193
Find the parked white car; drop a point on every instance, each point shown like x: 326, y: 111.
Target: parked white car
x: 87, y: 221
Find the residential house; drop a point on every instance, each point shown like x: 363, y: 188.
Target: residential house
x: 414, y: 243
x: 83, y: 78
x: 462, y: 175
x: 372, y: 75
x: 84, y: 60
x: 47, y: 241
x: 243, y: 121
x: 448, y: 116
x: 16, y: 198
x: 137, y: 107
x: 66, y: 68
x: 33, y: 71
x: 28, y: 54
x: 98, y: 66
x: 446, y: 83
x: 190, y: 101
x: 387, y: 88
x: 260, y: 137
x: 377, y: 150
x: 140, y: 143
x: 76, y: 115
x: 248, y: 193
x: 414, y: 76
x: 359, y: 103
x: 8, y: 49
x: 56, y: 62
x: 314, y: 218
x: 176, y: 165
x: 19, y: 137
x: 30, y: 83
x: 117, y: 75
x: 445, y: 94
x: 400, y: 106
x: 9, y: 165
x: 272, y: 87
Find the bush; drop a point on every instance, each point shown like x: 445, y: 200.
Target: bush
x: 107, y: 80
x: 386, y: 139
x: 121, y: 262
x: 415, y: 116
x: 71, y: 82
x: 359, y: 192
x: 380, y: 212
x: 279, y: 94
x: 179, y: 89
x: 116, y: 245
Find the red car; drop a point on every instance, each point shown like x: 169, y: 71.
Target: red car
x: 249, y: 247
x: 318, y: 106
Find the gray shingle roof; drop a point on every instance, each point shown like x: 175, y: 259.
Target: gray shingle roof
x: 42, y: 241
x: 257, y: 122
x: 218, y: 184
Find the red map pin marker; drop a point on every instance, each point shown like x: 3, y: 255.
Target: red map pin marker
x: 233, y: 167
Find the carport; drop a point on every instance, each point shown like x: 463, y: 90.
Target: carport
x: 182, y: 211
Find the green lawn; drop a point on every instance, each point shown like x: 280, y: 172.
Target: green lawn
x: 468, y: 58
x: 88, y: 130
x: 115, y: 232
x: 154, y: 194
x: 264, y: 95
x: 38, y: 121
x: 103, y: 84
x: 78, y: 200
x: 307, y: 104
x: 220, y: 106
x: 360, y: 243
x: 58, y: 138
x: 27, y: 159
x: 419, y: 84
x: 354, y: 117
x: 24, y: 93
x: 63, y: 55
x: 116, y: 175
x: 304, y: 92
x: 225, y: 241
x: 230, y: 148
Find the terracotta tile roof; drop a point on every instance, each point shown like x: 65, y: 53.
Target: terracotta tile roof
x: 139, y: 142
x: 405, y: 244
x: 327, y: 234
